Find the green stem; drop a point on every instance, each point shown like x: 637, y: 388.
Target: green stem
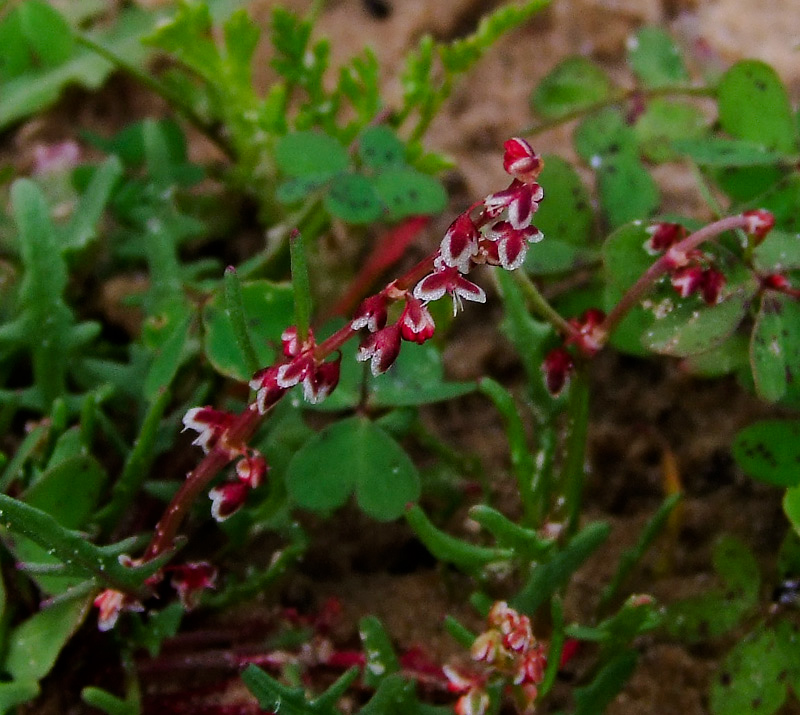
x: 540, y: 306
x: 575, y: 457
x: 617, y: 98
x: 207, y: 128
x: 234, y: 308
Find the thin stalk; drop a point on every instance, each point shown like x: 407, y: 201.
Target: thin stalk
x: 662, y: 266
x: 245, y: 427
x: 234, y: 309
x: 621, y: 96
x: 541, y: 307
x: 575, y: 457
x: 207, y: 128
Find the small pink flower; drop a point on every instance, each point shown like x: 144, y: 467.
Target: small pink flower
x: 486, y: 646
x: 371, y: 314
x: 662, y: 236
x: 52, y: 158
x: 321, y: 381
x: 460, y: 681
x: 190, y: 579
x: 268, y: 392
x: 512, y: 243
x: 416, y: 323
x: 521, y: 201
x: 291, y: 373
x: 110, y: 604
x: 521, y: 161
x: 711, y: 284
x: 227, y: 498
x: 687, y: 280
x: 475, y: 702
x: 381, y: 348
x: 210, y: 424
x: 290, y: 342
x: 252, y: 469
x: 518, y: 635
x: 557, y: 367
x: 448, y: 280
x: 531, y: 666
x: 759, y: 223
x: 591, y: 337
x: 678, y: 258
x: 460, y: 243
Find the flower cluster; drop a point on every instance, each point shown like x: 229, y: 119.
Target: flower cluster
x: 496, y: 231
x: 213, y: 428
x: 509, y: 652
x: 302, y: 366
x: 690, y: 271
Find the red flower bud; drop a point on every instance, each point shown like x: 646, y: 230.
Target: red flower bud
x: 759, y: 223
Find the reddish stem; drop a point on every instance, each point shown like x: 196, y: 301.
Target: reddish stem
x: 246, y: 425
x: 662, y: 266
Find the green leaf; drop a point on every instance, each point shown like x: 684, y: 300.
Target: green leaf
x: 34, y: 645
x: 775, y: 347
x: 778, y: 252
x: 720, y: 152
x: 574, y: 84
x: 274, y: 696
x: 310, y: 155
x: 408, y: 192
x: 294, y: 190
x: 730, y: 356
x: 754, y: 105
x: 692, y: 327
x: 769, y: 450
x: 17, y: 692
x: 508, y: 534
x: 47, y: 32
x: 379, y: 147
x: 357, y: 455
x: 351, y: 197
x: 718, y: 610
x: 565, y: 215
x: 170, y: 353
x: 791, y: 507
x: 546, y: 578
x: 664, y: 122
x: 604, y: 133
x: 381, y: 659
x: 267, y: 309
x: 468, y: 557
x: 82, y: 227
x: 655, y: 59
x: 301, y: 291
x: 37, y: 88
x: 627, y: 190
x: 751, y: 679
x: 594, y: 698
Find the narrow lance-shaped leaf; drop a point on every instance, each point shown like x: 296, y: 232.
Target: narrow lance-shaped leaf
x: 468, y: 557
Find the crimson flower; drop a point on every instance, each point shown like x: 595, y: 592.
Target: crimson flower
x: 227, y: 498
x: 521, y: 161
x: 190, y: 579
x: 371, y: 314
x: 381, y: 348
x: 211, y: 425
x: 460, y: 243
x: 759, y: 223
x: 521, y: 201
x: 510, y: 244
x: 416, y: 323
x: 447, y: 279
